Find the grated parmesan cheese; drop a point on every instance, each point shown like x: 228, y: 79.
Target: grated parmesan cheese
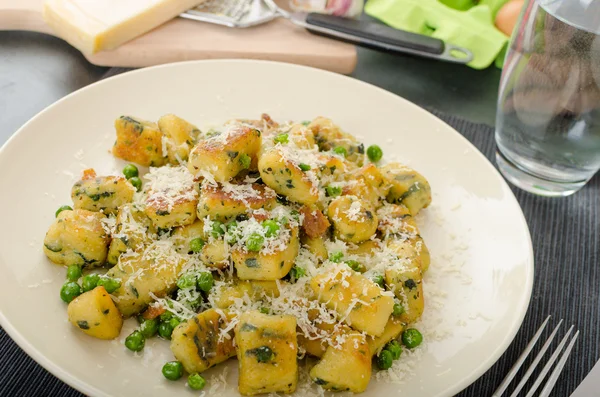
x: 168, y: 186
x: 355, y: 212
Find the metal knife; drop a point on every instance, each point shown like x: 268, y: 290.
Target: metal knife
x: 590, y: 387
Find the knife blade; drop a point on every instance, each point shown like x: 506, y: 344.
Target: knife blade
x: 590, y: 387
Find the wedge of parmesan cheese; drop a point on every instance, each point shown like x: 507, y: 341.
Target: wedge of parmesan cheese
x: 96, y: 25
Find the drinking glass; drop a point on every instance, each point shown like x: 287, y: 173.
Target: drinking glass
x: 548, y: 119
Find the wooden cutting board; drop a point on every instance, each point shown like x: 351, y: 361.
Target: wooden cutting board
x: 181, y: 40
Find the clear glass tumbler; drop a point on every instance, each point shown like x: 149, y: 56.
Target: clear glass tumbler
x: 548, y: 120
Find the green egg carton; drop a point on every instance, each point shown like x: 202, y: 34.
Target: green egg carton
x: 464, y: 23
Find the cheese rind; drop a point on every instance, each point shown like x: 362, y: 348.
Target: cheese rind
x: 96, y: 25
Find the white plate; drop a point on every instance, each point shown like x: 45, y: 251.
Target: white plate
x: 477, y: 290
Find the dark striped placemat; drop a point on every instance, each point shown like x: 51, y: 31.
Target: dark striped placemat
x: 565, y: 234
x: 566, y: 241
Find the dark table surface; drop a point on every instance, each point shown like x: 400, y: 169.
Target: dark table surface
x: 36, y: 70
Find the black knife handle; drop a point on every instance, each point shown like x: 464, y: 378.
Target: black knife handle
x: 375, y: 35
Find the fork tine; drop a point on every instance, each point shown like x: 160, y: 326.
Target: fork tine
x: 557, y: 371
x: 515, y: 368
x: 536, y: 361
x: 549, y: 364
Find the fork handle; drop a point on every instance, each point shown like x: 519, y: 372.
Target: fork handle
x: 381, y: 37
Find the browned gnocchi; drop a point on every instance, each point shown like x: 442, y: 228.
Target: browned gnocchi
x: 260, y: 241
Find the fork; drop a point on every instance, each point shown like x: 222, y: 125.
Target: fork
x: 555, y: 373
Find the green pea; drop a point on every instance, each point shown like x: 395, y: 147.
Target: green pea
x: 196, y: 245
x: 165, y: 330
x: 398, y: 309
x: 271, y: 227
x: 263, y: 354
x: 61, y: 209
x: 304, y: 167
x: 217, y: 229
x: 333, y: 191
x: 340, y: 150
x: 73, y: 272
x: 69, y: 291
x: 135, y: 341
x: 174, y: 322
x: 205, y: 281
x: 109, y: 284
x: 281, y: 138
x: 264, y: 310
x: 149, y: 327
x: 89, y: 282
x: 136, y: 182
x: 411, y: 338
x: 166, y: 316
x: 232, y: 237
x: 384, y: 359
x: 255, y: 242
x: 245, y: 161
x: 336, y: 257
x: 130, y: 171
x: 196, y: 381
x: 297, y: 272
x: 354, y: 265
x: 233, y: 234
x: 394, y: 348
x: 305, y: 123
x: 186, y: 281
x: 378, y: 279
x: 374, y: 153
x: 173, y: 370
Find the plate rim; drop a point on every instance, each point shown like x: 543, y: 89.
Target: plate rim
x: 468, y: 380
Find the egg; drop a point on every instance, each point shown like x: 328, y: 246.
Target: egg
x: 508, y: 15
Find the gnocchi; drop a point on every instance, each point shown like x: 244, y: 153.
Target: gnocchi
x: 101, y: 194
x: 95, y: 314
x: 259, y: 240
x: 196, y: 342
x: 77, y: 237
x: 227, y: 153
x: 139, y: 141
x: 266, y: 350
x: 179, y: 137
